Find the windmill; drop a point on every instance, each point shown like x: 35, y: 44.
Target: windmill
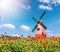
x: 40, y: 27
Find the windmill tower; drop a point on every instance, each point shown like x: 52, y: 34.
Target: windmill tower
x: 40, y: 27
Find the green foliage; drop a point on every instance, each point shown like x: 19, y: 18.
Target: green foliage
x: 29, y: 45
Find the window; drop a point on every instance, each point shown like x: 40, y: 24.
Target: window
x: 38, y: 29
x: 42, y: 33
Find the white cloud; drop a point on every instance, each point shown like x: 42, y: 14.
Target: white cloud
x: 48, y: 31
x: 51, y: 35
x: 59, y: 20
x: 57, y: 35
x: 16, y: 35
x: 45, y: 7
x: 55, y: 1
x: 50, y: 1
x: 25, y: 28
x: 10, y: 26
x: 29, y: 7
x: 44, y: 1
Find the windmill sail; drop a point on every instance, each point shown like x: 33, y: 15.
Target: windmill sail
x: 34, y: 19
x: 42, y: 15
x: 34, y: 28
x: 40, y: 22
x: 43, y: 26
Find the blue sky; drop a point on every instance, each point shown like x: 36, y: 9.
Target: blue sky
x: 17, y: 17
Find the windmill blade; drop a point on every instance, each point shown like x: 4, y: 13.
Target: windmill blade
x: 42, y: 15
x: 44, y: 26
x: 34, y: 28
x: 34, y: 19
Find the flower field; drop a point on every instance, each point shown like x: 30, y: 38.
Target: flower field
x: 9, y: 44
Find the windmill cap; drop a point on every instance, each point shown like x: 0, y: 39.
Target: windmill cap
x: 38, y: 22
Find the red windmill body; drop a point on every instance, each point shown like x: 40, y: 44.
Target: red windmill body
x: 40, y: 27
